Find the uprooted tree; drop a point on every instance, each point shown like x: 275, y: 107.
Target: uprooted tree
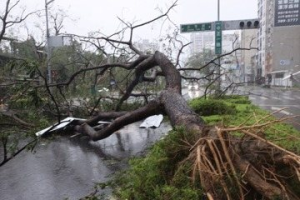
x: 225, y: 167
x: 219, y: 155
x: 222, y: 160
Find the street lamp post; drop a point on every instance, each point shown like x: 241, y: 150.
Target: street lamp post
x: 47, y: 42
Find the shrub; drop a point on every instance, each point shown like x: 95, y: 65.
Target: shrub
x: 236, y: 99
x: 207, y: 107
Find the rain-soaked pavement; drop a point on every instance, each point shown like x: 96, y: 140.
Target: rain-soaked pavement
x: 283, y: 102
x: 69, y: 167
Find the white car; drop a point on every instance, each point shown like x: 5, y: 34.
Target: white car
x: 193, y: 86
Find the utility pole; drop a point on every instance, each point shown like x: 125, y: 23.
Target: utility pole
x: 218, y: 10
x: 219, y: 59
x: 47, y: 43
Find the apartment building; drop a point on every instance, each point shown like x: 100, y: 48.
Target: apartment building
x: 201, y: 41
x: 278, y: 40
x: 249, y: 42
x: 206, y: 40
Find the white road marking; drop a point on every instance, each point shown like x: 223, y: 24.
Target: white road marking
x: 292, y: 105
x: 276, y: 98
x: 288, y: 98
x: 263, y: 98
x: 297, y: 97
x: 281, y: 111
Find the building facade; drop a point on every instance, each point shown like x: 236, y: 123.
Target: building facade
x: 201, y: 41
x: 278, y: 40
x: 147, y: 46
x: 248, y: 64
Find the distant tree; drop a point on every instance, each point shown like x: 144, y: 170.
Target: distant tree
x: 27, y: 49
x: 57, y: 20
x: 18, y: 97
x: 200, y: 59
x: 7, y: 20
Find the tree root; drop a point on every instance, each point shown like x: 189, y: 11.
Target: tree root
x: 232, y: 167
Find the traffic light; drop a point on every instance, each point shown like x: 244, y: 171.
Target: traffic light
x: 249, y: 24
x: 241, y: 24
x: 256, y: 23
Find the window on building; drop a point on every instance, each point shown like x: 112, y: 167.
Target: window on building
x: 279, y: 75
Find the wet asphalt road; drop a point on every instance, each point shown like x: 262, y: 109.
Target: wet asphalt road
x: 69, y: 167
x: 283, y: 102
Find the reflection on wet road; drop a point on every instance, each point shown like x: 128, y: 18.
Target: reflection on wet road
x: 68, y: 167
x: 284, y: 102
x: 191, y: 94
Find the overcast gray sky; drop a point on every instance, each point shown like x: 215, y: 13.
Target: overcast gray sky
x: 93, y: 15
x: 100, y: 14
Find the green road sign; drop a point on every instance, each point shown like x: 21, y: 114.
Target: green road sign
x: 185, y: 28
x: 218, y: 37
